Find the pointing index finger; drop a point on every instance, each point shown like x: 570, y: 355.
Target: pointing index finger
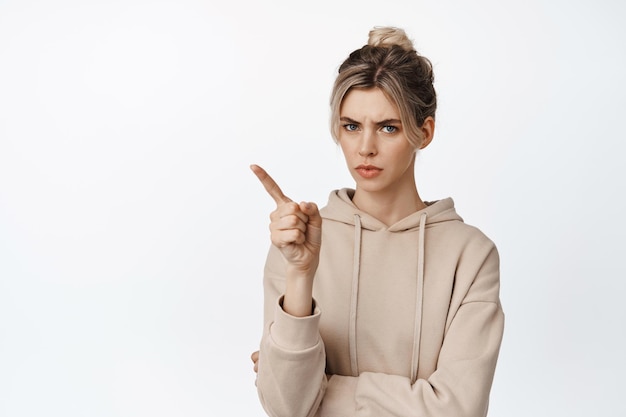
x: 270, y: 185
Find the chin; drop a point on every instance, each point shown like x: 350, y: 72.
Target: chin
x: 369, y: 186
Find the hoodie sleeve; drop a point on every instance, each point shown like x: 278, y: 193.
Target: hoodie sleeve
x: 460, y: 385
x: 291, y: 378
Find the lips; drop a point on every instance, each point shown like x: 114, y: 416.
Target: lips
x: 368, y: 171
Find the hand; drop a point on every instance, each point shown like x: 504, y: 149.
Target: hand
x: 255, y: 359
x: 296, y: 229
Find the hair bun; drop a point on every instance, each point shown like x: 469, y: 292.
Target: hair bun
x: 388, y: 36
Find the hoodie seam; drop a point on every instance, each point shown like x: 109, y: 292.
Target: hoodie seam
x: 479, y: 301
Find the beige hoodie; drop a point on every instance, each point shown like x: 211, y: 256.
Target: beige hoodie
x: 407, y: 320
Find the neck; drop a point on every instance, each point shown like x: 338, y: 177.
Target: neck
x: 389, y: 207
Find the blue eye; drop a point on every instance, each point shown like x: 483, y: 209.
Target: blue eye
x: 389, y: 129
x: 350, y: 127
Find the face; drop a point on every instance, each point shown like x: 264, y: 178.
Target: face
x: 379, y: 156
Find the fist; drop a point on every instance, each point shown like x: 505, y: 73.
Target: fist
x: 295, y: 228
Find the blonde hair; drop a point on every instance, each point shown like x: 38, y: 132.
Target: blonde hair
x: 390, y: 62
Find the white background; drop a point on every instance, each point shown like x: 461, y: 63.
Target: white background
x: 133, y: 235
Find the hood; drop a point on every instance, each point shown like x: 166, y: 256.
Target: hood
x: 341, y: 209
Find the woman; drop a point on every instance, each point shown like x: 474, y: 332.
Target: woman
x: 379, y: 304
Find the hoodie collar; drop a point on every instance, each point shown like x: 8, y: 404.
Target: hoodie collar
x: 341, y: 208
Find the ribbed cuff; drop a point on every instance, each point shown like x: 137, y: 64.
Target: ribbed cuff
x: 295, y: 333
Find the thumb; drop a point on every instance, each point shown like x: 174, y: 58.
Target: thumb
x: 311, y: 210
x: 314, y: 225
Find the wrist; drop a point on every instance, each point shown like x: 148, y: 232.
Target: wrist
x: 298, y: 273
x: 298, y: 300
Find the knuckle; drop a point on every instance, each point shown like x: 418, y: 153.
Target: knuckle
x: 275, y: 214
x: 297, y: 235
x: 292, y: 221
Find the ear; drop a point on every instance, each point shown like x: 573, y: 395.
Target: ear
x: 428, y: 131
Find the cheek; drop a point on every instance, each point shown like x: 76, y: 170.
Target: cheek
x: 342, y: 146
x: 404, y: 156
x: 345, y: 147
x: 345, y: 151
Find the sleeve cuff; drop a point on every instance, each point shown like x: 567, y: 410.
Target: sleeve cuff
x: 295, y: 333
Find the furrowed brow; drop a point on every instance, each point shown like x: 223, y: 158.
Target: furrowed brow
x: 389, y: 122
x: 349, y: 120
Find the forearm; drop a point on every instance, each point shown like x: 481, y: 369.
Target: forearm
x: 291, y: 379
x: 298, y: 299
x: 459, y: 387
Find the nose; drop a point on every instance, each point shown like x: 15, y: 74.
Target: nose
x: 368, y: 144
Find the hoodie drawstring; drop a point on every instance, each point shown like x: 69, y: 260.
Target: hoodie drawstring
x: 354, y: 294
x: 419, y: 300
x: 419, y: 297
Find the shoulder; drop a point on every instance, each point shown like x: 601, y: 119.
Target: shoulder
x: 471, y: 233
x: 460, y: 234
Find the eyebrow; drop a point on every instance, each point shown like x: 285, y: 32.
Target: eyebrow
x: 349, y: 120
x: 381, y: 123
x: 390, y: 122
